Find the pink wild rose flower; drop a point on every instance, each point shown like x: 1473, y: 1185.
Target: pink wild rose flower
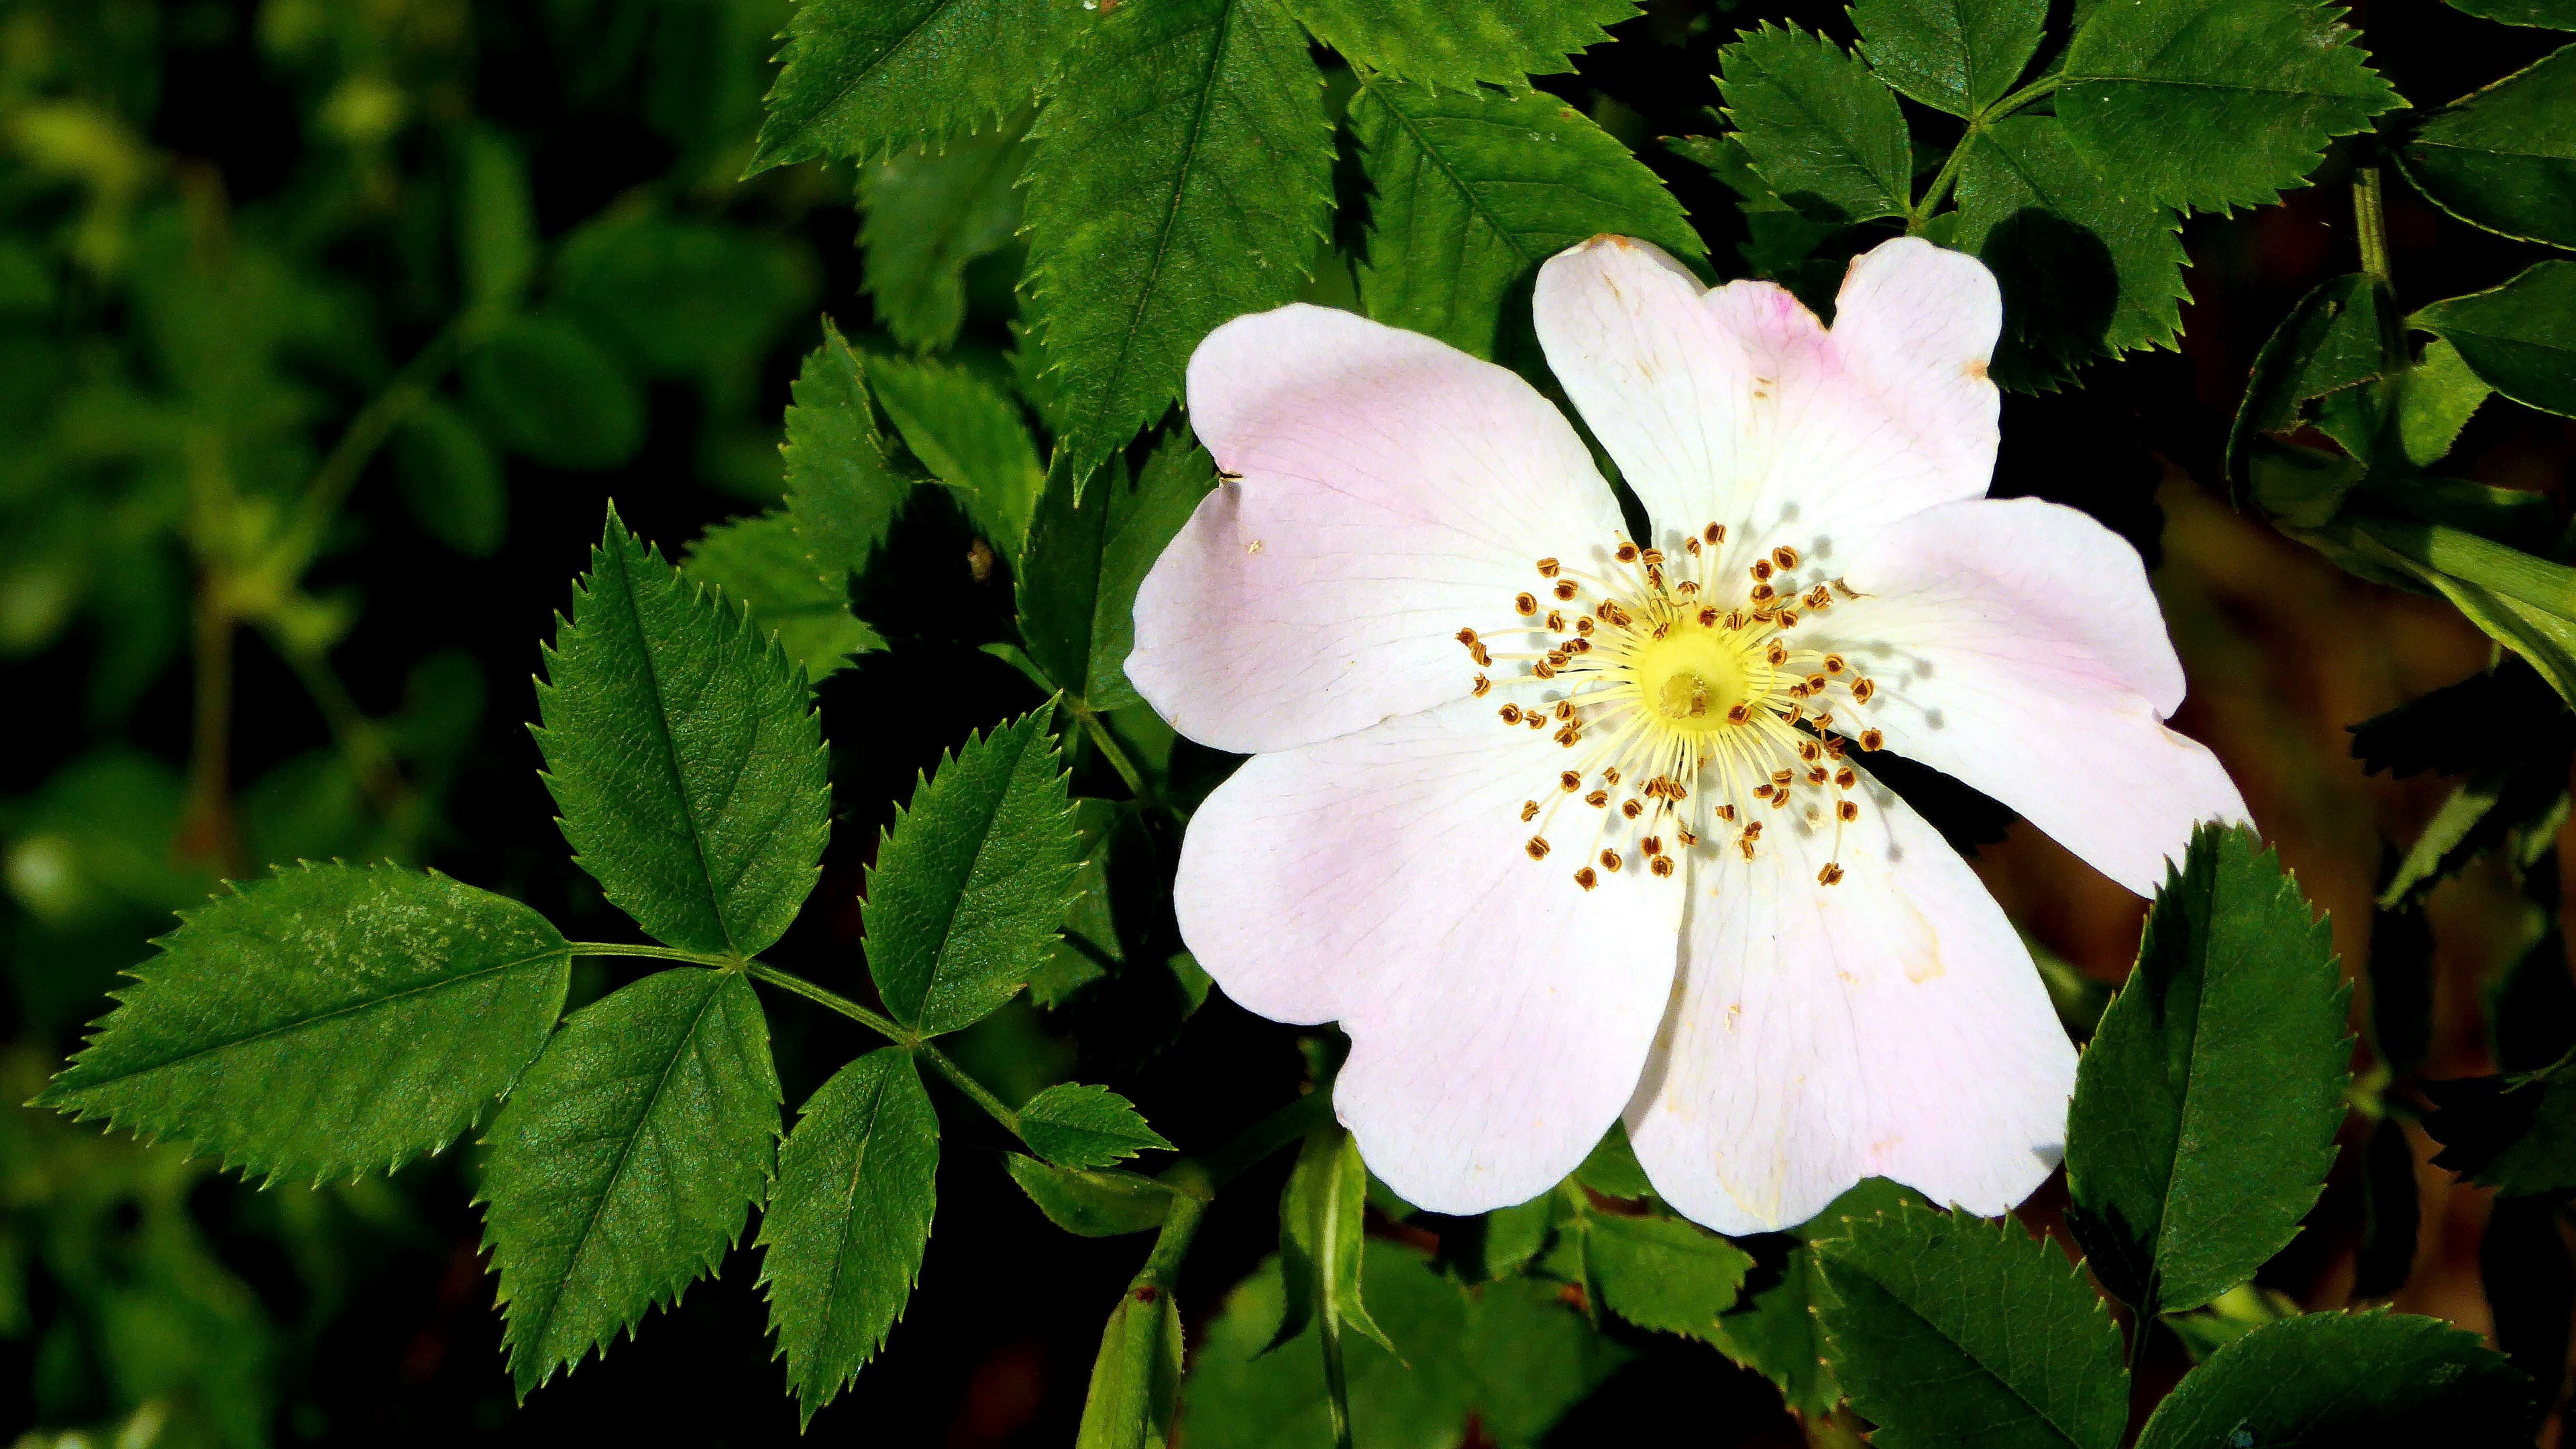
x: 1564, y: 825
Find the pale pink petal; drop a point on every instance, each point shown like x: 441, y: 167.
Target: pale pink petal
x: 1736, y: 406
x: 1889, y: 1025
x: 2016, y: 645
x: 1389, y: 490
x: 1498, y: 1012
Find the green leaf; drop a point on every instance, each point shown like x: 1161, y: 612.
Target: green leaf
x: 1090, y: 933
x: 1095, y: 1202
x: 2520, y: 337
x: 496, y: 221
x: 842, y: 491
x: 1612, y: 1169
x: 1473, y: 189
x: 1075, y: 1124
x: 2514, y: 1134
x: 1077, y: 584
x: 2525, y: 603
x: 1774, y: 1330
x: 1818, y: 126
x: 2347, y: 1378
x: 2502, y: 799
x: 2088, y: 268
x: 1959, y: 56
x: 1181, y: 179
x: 2547, y: 14
x: 451, y: 483
x: 861, y: 77
x: 1663, y: 1273
x: 553, y: 395
x: 2205, y: 1109
x: 2436, y: 400
x: 1950, y: 1330
x: 624, y: 1162
x: 2504, y: 158
x: 675, y: 297
x: 972, y: 879
x: 327, y: 1021
x: 762, y: 562
x: 1457, y: 43
x: 683, y: 751
x: 1136, y: 1379
x: 2215, y: 103
x: 1321, y: 1211
x: 970, y: 435
x: 928, y: 215
x: 1510, y: 1353
x: 1778, y: 242
x: 2331, y: 340
x: 848, y: 1221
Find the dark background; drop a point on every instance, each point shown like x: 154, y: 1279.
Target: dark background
x: 187, y: 188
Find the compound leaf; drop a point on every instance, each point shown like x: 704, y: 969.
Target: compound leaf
x: 1820, y: 129
x: 1457, y: 43
x: 1181, y: 179
x: 1473, y: 189
x: 2520, y: 337
x: 972, y: 880
x: 928, y: 215
x: 684, y: 753
x: 2347, y: 1378
x: 2505, y: 157
x: 1075, y: 1124
x: 1959, y: 56
x: 2206, y: 1106
x: 762, y: 562
x: 328, y: 1020
x: 861, y: 77
x: 624, y: 1162
x: 848, y: 1220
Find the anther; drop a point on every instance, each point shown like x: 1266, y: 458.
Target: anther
x: 1849, y: 810
x: 1483, y: 656
x: 1834, y: 664
x: 1578, y: 644
x: 1627, y: 553
x: 1526, y: 603
x: 1815, y: 774
x: 1482, y: 684
x: 1798, y: 691
x: 1738, y: 714
x: 1816, y: 683
x: 1652, y: 557
x: 1543, y: 670
x: 1565, y: 709
x: 1871, y: 739
x: 1586, y: 879
x: 1583, y: 626
x: 1535, y: 720
x: 1763, y: 593
x: 1825, y: 721
x: 1692, y: 545
x: 1610, y: 860
x: 1724, y: 812
x: 1862, y: 689
x: 1735, y: 619
x: 1714, y: 533
x: 1570, y: 781
x: 1782, y: 777
x: 1555, y: 621
x: 1761, y: 569
x: 1708, y: 618
x: 1688, y: 588
x: 1565, y: 589
x: 1529, y: 811
x: 1753, y: 831
x: 1597, y: 799
x: 1467, y: 637
x: 1662, y: 865
x: 1547, y: 568
x: 1611, y: 774
x: 1511, y: 714
x: 1567, y: 736
x: 1808, y: 750
x: 1831, y: 875
x: 1762, y: 791
x: 1820, y: 597
x: 1846, y: 777
x: 1785, y: 556
x: 1746, y: 845
x: 1652, y: 845
x: 1788, y: 618
x: 1796, y: 713
x: 1632, y: 809
x: 1537, y: 847
x: 1778, y: 654
x: 1686, y: 837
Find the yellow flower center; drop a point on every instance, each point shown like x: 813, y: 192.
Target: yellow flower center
x: 1687, y: 710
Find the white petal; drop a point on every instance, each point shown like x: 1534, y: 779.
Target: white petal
x: 1890, y: 1025
x: 1392, y: 491
x: 2016, y: 645
x: 1498, y: 1013
x: 1736, y: 406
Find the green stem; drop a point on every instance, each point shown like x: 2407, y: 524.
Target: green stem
x: 1163, y: 1266
x: 652, y: 953
x: 366, y: 433
x: 974, y: 1090
x: 1337, y: 1391
x: 355, y: 733
x: 1940, y: 187
x: 1110, y: 751
x: 2020, y: 98
x: 2370, y: 225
